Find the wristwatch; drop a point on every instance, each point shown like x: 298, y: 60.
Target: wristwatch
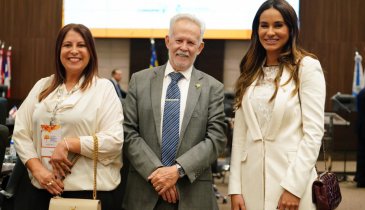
x: 180, y: 170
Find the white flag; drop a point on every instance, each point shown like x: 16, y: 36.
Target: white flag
x: 358, y: 81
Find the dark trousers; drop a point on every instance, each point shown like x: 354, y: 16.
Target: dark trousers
x: 360, y: 168
x: 163, y: 205
x: 110, y: 200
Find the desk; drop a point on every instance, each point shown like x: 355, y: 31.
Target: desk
x: 330, y: 120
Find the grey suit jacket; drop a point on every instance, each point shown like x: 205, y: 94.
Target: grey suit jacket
x: 202, y: 139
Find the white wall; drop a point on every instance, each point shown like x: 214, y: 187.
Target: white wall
x: 114, y: 53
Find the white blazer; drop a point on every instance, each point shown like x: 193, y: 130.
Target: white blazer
x: 263, y: 166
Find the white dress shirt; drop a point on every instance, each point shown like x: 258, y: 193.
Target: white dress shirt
x: 183, y: 86
x: 95, y: 111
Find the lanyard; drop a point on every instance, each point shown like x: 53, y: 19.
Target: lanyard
x: 60, y: 99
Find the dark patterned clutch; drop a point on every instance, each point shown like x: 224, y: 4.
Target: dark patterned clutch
x: 326, y: 192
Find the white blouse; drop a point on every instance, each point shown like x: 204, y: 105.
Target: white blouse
x: 95, y: 111
x: 260, y: 97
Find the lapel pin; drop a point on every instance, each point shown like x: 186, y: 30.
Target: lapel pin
x: 197, y: 85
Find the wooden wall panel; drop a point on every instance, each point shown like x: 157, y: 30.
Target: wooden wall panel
x: 30, y: 27
x: 333, y: 30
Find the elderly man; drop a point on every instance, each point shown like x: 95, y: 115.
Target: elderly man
x: 174, y: 126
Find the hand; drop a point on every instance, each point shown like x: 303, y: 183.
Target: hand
x: 60, y: 164
x: 288, y: 201
x: 48, y: 180
x: 237, y: 202
x: 171, y: 195
x: 164, y: 178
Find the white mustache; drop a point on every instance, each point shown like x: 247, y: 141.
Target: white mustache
x: 182, y: 54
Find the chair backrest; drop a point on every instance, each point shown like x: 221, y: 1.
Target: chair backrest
x: 3, y: 90
x: 3, y: 110
x: 228, y: 104
x: 4, y: 141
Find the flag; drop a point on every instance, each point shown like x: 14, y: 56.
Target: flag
x: 358, y: 81
x: 7, y: 70
x: 2, y: 70
x: 12, y: 112
x: 153, y: 59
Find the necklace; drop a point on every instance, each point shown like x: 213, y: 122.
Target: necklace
x: 60, y: 99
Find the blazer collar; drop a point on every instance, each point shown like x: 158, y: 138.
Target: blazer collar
x: 249, y: 114
x: 194, y: 91
x: 277, y: 114
x: 156, y: 94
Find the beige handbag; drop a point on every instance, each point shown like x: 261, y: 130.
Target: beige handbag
x: 59, y: 203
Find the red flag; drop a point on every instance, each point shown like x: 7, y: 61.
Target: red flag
x: 7, y: 71
x: 2, y: 72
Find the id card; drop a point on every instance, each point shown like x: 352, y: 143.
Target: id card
x: 51, y: 135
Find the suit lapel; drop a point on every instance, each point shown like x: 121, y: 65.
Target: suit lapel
x: 156, y: 93
x: 279, y: 106
x: 193, y: 96
x: 249, y: 114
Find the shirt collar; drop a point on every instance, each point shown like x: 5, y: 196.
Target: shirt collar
x: 76, y: 87
x: 186, y: 73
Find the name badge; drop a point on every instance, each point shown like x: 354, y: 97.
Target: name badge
x: 51, y: 135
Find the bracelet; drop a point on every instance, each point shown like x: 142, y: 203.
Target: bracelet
x: 68, y: 148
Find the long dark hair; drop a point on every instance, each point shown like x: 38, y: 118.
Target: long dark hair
x: 290, y: 55
x: 90, y: 70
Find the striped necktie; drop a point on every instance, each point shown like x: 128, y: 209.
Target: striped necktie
x: 171, y: 121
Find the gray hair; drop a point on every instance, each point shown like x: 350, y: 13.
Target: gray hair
x: 191, y: 18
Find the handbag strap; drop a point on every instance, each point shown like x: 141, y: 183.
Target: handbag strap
x: 95, y: 159
x: 324, y: 156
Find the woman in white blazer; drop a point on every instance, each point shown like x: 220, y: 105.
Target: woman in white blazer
x: 279, y: 118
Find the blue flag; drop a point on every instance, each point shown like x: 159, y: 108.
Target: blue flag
x: 153, y: 59
x: 358, y: 81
